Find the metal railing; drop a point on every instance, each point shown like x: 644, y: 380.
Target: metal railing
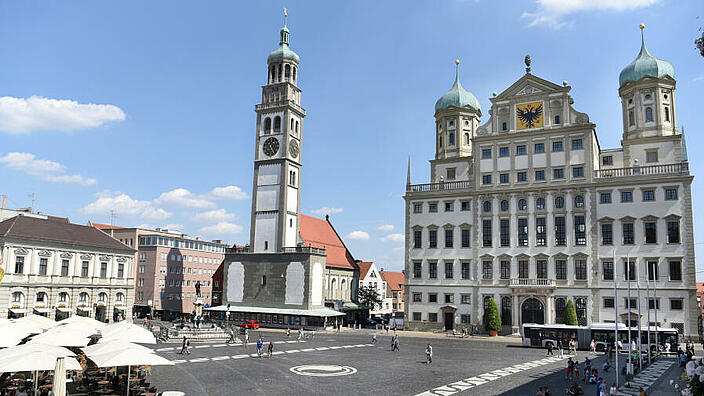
x: 451, y: 185
x: 525, y: 282
x: 679, y: 168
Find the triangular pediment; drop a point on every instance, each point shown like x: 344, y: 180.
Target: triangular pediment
x: 529, y: 85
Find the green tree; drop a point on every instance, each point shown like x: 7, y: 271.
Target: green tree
x: 369, y: 296
x: 570, y: 314
x: 492, y: 319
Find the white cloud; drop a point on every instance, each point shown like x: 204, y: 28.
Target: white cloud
x: 698, y: 78
x: 213, y: 216
x: 358, y: 235
x: 44, y: 169
x: 183, y: 197
x: 326, y: 211
x: 386, y: 227
x: 20, y: 115
x: 551, y: 12
x: 123, y: 204
x: 393, y: 238
x: 174, y: 227
x: 222, y: 227
x: 228, y: 192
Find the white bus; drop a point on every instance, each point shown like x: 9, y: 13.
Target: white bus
x: 540, y: 335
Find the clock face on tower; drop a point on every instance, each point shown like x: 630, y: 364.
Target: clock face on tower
x: 271, y: 146
x: 293, y: 149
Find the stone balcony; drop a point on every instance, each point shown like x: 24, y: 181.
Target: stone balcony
x: 525, y: 283
x: 678, y: 168
x: 444, y: 186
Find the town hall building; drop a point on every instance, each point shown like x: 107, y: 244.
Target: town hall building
x: 528, y: 209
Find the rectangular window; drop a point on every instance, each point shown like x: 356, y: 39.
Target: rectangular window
x: 648, y: 195
x: 417, y: 316
x: 653, y: 270
x: 577, y: 144
x: 464, y: 206
x: 43, y: 264
x: 84, y: 269
x: 503, y: 178
x: 432, y: 297
x: 64, y: 267
x: 449, y: 207
x: 561, y: 269
x: 628, y: 236
x: 505, y: 269
x: 608, y: 302
x: 417, y: 297
x: 120, y: 270
x: 465, y: 270
x: 522, y: 177
x: 541, y: 267
x: 521, y: 149
x: 607, y: 160
x: 504, y: 227
x: 450, y: 175
x: 486, y: 233
x: 449, y: 234
x: 626, y: 196
x: 432, y: 270
x: 560, y: 237
x: 651, y: 232
x: 654, y: 304
x: 608, y: 270
x: 466, y: 299
x: 539, y: 148
x: 19, y: 265
x: 417, y: 239
x: 449, y: 298
x: 578, y: 172
x: 417, y: 269
x: 540, y: 231
x: 675, y: 270
x: 487, y: 270
x: 558, y: 173
x: 676, y: 304
x: 580, y: 231
x: 539, y: 175
x: 433, y: 239
x: 522, y: 232
x: 486, y: 179
x: 417, y: 208
x: 557, y: 146
x: 465, y: 238
x: 503, y: 152
x: 607, y: 235
x: 432, y: 317
x: 486, y: 153
x: 580, y: 269
x: 629, y: 270
x: 631, y: 303
x: 523, y: 269
x: 651, y: 156
x: 670, y: 194
x: 449, y: 269
x: 103, y: 270
x: 605, y: 197
x: 433, y: 208
x: 673, y: 232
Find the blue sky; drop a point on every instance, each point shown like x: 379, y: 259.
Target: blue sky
x: 147, y: 108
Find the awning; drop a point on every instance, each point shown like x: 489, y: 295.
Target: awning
x: 321, y: 313
x: 41, y: 309
x: 119, y: 308
x: 84, y: 309
x: 352, y: 306
x: 17, y: 310
x: 63, y: 309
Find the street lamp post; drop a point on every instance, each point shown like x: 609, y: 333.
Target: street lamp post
x: 647, y: 285
x: 615, y: 316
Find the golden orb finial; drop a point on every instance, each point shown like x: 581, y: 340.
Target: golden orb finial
x: 642, y: 26
x: 457, y: 61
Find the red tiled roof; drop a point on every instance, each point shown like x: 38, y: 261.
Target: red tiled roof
x: 364, y: 268
x: 320, y: 233
x: 395, y: 280
x: 105, y: 226
x: 700, y: 287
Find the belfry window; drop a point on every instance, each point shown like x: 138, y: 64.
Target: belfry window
x: 279, y: 72
x: 451, y: 140
x: 667, y: 114
x: 277, y: 124
x: 267, y: 125
x: 631, y: 118
x: 648, y: 114
x: 272, y: 74
x: 292, y: 121
x: 287, y: 72
x: 295, y: 69
x: 296, y: 128
x: 466, y: 138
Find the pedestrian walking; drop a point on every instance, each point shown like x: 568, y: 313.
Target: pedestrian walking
x: 300, y: 333
x: 428, y: 354
x: 183, y: 346
x: 270, y: 349
x: 312, y: 334
x: 288, y: 332
x: 259, y: 347
x: 560, y: 349
x: 374, y: 338
x: 548, y: 346
x: 592, y: 347
x: 232, y: 336
x: 395, y: 347
x: 576, y: 369
x: 246, y: 337
x: 613, y: 391
x: 144, y: 322
x: 570, y: 368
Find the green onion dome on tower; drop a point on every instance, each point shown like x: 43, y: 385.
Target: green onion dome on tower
x: 457, y: 96
x: 645, y: 64
x: 284, y: 51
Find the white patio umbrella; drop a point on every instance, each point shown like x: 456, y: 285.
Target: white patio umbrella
x: 34, y: 361
x: 59, y: 386
x: 126, y: 331
x: 13, y: 334
x: 82, y: 321
x: 129, y: 357
x: 63, y: 336
x: 112, y: 346
x: 37, y: 321
x: 51, y: 350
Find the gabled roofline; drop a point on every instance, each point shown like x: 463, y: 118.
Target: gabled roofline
x: 327, y: 219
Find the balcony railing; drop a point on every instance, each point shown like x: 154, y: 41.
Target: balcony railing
x: 444, y: 186
x: 531, y: 283
x: 303, y: 249
x: 680, y: 168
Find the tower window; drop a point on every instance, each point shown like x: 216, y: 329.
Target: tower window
x: 631, y: 118
x: 287, y: 72
x: 504, y: 126
x: 292, y: 178
x: 440, y: 141
x: 292, y: 121
x: 667, y: 114
x: 296, y: 128
x: 466, y: 138
x: 279, y: 72
x: 451, y: 140
x: 277, y: 124
x: 266, y: 245
x: 452, y: 123
x: 290, y: 223
x: 557, y: 119
x: 648, y: 114
x: 267, y: 125
x: 272, y: 74
x: 647, y: 97
x: 295, y: 69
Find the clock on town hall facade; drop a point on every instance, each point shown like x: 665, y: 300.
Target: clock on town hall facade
x: 529, y: 115
x: 271, y: 146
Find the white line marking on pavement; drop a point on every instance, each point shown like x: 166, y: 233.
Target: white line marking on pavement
x: 308, y: 350
x: 278, y: 353
x: 293, y: 351
x: 219, y: 345
x: 291, y: 342
x: 335, y: 347
x: 199, y: 360
x: 322, y: 349
x: 202, y: 346
x: 164, y: 349
x: 254, y: 355
x: 239, y: 356
x: 279, y: 342
x: 348, y: 346
x: 179, y: 361
x: 215, y: 359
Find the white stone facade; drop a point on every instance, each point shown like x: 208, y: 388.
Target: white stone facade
x: 373, y: 279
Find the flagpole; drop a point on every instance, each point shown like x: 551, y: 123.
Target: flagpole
x: 640, y: 333
x: 629, y: 370
x: 647, y: 284
x: 655, y: 306
x: 615, y: 316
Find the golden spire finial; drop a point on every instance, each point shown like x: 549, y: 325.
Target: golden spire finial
x: 285, y: 15
x: 457, y: 61
x: 642, y: 26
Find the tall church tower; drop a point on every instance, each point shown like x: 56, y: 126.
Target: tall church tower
x: 277, y: 159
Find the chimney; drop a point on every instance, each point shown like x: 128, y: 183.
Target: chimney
x: 327, y: 217
x: 4, y: 200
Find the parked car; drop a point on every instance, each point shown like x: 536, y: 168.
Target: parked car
x: 251, y: 324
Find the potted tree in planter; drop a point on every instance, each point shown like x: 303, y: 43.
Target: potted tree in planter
x: 570, y: 314
x: 493, y: 319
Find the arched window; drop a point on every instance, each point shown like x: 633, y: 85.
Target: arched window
x: 440, y: 141
x: 333, y: 284
x: 83, y: 298
x: 560, y: 306
x: 579, y: 201
x: 266, y: 245
x: 290, y: 223
x: 506, y: 315
x: 272, y: 75
x: 540, y: 203
x: 631, y: 118
x: 667, y: 114
x: 267, y: 125
x: 504, y: 205
x: 343, y: 291
x: 559, y: 202
x: 264, y: 276
x: 466, y: 138
x: 580, y: 305
x: 279, y: 72
x: 102, y: 297
x: 120, y: 298
x: 451, y: 140
x: 63, y: 297
x: 41, y: 297
x: 487, y: 206
x: 648, y: 114
x: 504, y: 126
x: 295, y: 69
x: 292, y: 121
x: 277, y: 124
x: 522, y: 204
x: 18, y: 298
x: 557, y: 119
x: 287, y: 72
x: 296, y: 128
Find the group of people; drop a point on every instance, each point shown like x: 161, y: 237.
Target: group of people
x: 269, y: 349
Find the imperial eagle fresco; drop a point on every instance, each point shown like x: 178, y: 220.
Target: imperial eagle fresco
x: 529, y: 115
